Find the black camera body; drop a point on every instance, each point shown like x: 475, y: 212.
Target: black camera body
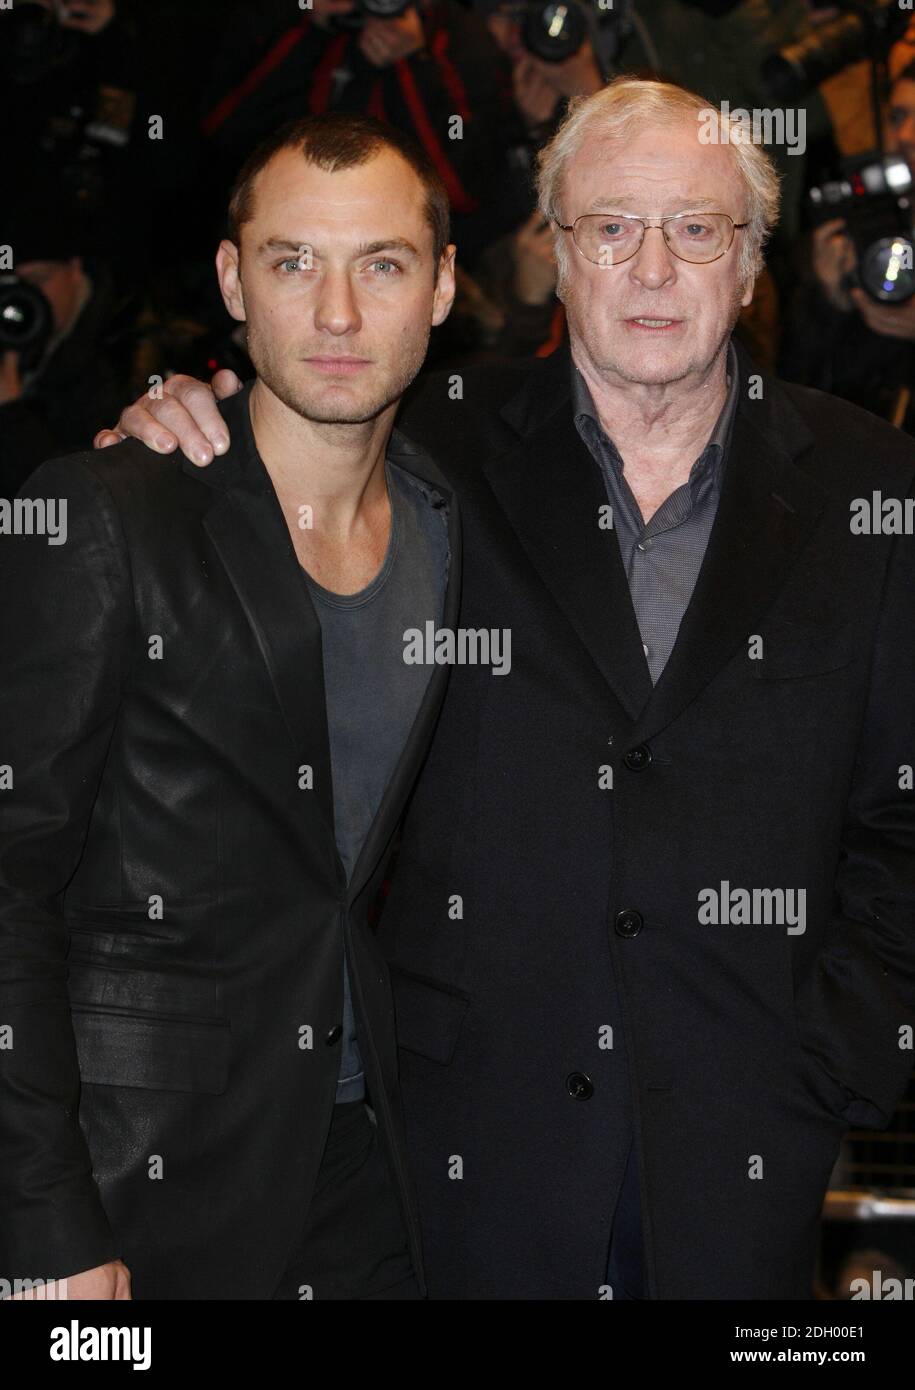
x: 369, y: 9
x: 863, y: 28
x: 26, y: 320
x: 874, y: 198
x: 34, y: 44
x: 554, y: 30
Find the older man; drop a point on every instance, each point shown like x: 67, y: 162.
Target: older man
x: 653, y: 923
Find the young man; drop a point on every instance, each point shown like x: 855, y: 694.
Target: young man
x: 653, y: 920
x: 209, y: 732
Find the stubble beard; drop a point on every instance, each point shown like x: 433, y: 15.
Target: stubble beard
x: 272, y: 369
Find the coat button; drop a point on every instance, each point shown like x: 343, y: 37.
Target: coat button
x: 580, y: 1086
x: 334, y: 1035
x: 637, y: 758
x: 628, y: 922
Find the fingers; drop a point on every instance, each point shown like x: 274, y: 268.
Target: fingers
x: 225, y: 383
x: 139, y: 422
x: 105, y: 438
x: 186, y: 416
x: 375, y: 49
x: 166, y: 425
x: 206, y: 433
x: 878, y: 317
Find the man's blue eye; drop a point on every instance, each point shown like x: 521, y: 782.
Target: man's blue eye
x: 296, y: 264
x: 390, y: 264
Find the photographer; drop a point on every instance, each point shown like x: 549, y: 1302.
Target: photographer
x: 68, y: 94
x: 718, y: 48
x: 417, y: 69
x: 540, y: 86
x: 839, y: 338
x: 508, y: 307
x: 73, y: 364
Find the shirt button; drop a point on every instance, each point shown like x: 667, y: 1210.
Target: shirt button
x: 579, y: 1086
x: 638, y: 758
x: 645, y: 544
x: 628, y: 923
x: 645, y: 648
x: 334, y: 1034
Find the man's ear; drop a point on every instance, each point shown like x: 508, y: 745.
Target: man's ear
x: 229, y: 275
x: 443, y: 296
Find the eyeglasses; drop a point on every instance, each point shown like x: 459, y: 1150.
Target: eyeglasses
x: 608, y: 238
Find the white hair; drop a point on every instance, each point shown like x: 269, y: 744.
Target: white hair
x: 629, y: 102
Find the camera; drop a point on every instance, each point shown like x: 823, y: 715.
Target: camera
x: 26, y: 320
x: 369, y: 9
x: 554, y: 30
x: 873, y: 197
x: 862, y: 30
x: 34, y: 44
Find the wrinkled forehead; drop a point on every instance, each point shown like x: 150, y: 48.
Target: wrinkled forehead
x: 654, y: 170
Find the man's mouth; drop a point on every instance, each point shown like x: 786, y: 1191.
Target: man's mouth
x: 654, y: 325
x: 338, y: 366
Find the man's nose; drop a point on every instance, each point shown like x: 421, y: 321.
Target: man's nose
x: 654, y: 264
x: 336, y: 309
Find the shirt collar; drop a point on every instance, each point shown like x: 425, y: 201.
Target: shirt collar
x: 712, y: 456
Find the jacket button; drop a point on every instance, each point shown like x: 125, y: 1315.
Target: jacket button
x: 334, y: 1035
x: 637, y: 758
x: 628, y: 922
x: 580, y: 1086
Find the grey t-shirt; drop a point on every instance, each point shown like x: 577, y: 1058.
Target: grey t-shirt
x: 372, y: 694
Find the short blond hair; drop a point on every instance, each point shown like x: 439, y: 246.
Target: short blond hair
x: 629, y: 101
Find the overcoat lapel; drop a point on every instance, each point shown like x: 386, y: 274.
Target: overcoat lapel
x: 551, y: 490
x: 766, y: 513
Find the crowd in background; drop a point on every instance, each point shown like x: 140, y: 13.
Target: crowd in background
x: 123, y: 122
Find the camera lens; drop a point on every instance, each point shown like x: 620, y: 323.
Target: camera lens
x: 385, y: 9
x: 886, y: 269
x: 25, y: 317
x: 553, y: 31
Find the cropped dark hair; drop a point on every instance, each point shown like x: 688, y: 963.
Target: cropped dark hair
x: 342, y: 140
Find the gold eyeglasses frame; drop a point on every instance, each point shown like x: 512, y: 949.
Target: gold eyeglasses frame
x: 659, y: 222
